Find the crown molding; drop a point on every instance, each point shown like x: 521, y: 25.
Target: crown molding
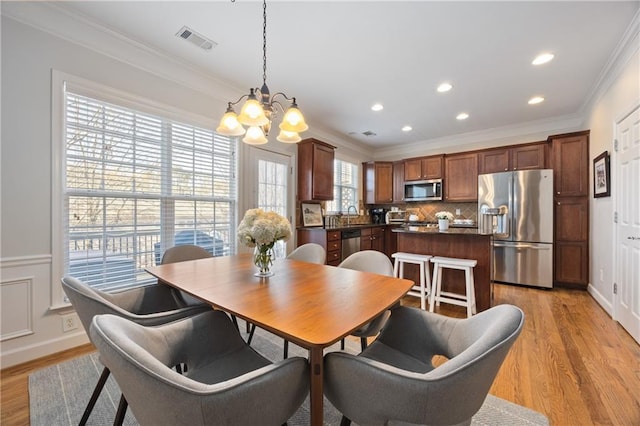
x: 508, y: 135
x: 54, y: 18
x: 624, y: 51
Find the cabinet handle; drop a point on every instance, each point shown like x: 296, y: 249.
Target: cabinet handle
x: 558, y: 202
x: 558, y: 192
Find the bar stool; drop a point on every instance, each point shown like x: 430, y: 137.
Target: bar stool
x: 437, y: 295
x: 422, y: 260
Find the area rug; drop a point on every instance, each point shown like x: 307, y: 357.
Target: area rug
x: 58, y: 394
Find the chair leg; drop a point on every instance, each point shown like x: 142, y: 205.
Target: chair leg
x: 253, y: 329
x: 286, y: 349
x: 363, y: 343
x: 122, y: 410
x: 235, y: 322
x: 345, y: 421
x: 94, y: 396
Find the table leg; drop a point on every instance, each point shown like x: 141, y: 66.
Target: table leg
x: 316, y: 390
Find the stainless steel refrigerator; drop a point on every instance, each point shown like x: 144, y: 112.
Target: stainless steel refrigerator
x: 517, y: 208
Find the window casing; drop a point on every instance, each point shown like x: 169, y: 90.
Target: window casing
x: 135, y: 183
x: 345, y: 187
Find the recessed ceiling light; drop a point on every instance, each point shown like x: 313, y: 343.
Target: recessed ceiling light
x: 543, y: 58
x: 377, y: 107
x: 462, y: 116
x: 444, y: 87
x: 536, y: 100
x: 407, y: 128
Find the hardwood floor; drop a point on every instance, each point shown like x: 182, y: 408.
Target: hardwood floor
x: 571, y: 362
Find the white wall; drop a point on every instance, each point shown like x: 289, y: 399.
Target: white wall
x: 617, y: 100
x: 28, y: 327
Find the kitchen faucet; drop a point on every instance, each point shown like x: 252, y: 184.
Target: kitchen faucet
x: 349, y: 214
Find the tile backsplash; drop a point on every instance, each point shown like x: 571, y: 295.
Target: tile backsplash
x: 427, y: 211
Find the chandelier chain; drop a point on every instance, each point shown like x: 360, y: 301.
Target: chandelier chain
x: 264, y: 41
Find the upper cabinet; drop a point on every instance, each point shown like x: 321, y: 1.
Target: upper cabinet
x: 570, y: 159
x: 522, y: 157
x: 377, y: 182
x: 423, y: 168
x: 461, y: 177
x: 315, y: 170
x: 398, y: 181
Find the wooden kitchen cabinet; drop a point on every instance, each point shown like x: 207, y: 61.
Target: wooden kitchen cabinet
x: 461, y: 177
x: 572, y: 219
x: 372, y: 238
x: 331, y: 240
x: 377, y: 182
x: 519, y: 157
x: 570, y: 162
x: 398, y: 182
x: 315, y: 170
x: 423, y: 168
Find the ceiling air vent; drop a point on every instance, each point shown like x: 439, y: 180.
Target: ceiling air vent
x: 199, y: 40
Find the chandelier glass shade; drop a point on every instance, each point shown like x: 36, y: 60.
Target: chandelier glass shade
x: 260, y: 109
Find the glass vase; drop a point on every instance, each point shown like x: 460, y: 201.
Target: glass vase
x: 263, y: 256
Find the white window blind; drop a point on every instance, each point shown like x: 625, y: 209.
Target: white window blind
x: 136, y: 184
x: 345, y: 187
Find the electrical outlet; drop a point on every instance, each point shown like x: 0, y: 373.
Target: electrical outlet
x: 457, y: 212
x: 69, y: 322
x: 601, y: 275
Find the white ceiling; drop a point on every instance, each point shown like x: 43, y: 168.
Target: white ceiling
x: 338, y: 58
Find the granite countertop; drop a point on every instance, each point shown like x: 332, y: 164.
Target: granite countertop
x: 435, y: 230
x: 344, y: 227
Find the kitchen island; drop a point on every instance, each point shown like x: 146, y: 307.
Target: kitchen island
x: 464, y: 243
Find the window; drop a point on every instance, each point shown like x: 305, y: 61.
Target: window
x: 345, y: 187
x: 135, y: 184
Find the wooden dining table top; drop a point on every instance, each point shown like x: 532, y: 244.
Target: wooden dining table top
x: 308, y: 304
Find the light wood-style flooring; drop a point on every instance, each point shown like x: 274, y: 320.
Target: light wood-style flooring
x: 571, y: 362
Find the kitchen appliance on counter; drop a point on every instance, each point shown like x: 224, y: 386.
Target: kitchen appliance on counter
x: 378, y: 215
x: 517, y: 208
x: 395, y: 216
x: 423, y: 190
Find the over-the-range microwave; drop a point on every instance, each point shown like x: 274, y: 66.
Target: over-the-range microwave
x: 423, y: 190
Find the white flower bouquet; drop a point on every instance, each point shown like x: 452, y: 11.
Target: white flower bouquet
x: 262, y: 229
x: 444, y: 215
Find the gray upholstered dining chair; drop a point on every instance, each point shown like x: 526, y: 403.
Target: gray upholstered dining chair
x: 309, y: 252
x: 149, y: 305
x: 183, y: 253
x: 394, y: 379
x: 226, y: 383
x: 378, y: 263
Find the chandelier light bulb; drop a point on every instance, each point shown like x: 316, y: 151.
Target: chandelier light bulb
x: 293, y: 120
x: 252, y: 113
x: 254, y: 136
x: 229, y: 125
x: 288, y: 137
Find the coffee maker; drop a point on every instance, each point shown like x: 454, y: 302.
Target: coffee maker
x: 378, y: 215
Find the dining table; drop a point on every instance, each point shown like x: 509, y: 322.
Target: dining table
x: 308, y: 304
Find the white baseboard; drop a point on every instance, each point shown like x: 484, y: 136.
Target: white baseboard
x: 602, y: 301
x: 41, y: 349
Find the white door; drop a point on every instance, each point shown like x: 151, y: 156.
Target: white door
x: 271, y: 180
x: 627, y: 194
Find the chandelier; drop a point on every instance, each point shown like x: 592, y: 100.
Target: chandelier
x: 260, y: 109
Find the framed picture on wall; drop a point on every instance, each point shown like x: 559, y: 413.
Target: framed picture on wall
x: 601, y: 176
x: 311, y: 214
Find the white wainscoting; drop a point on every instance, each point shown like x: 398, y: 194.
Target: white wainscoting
x: 29, y: 328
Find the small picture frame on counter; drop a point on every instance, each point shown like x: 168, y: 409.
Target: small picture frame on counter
x: 601, y: 176
x: 311, y: 214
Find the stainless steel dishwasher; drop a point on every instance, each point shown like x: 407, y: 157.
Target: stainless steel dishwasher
x: 350, y: 242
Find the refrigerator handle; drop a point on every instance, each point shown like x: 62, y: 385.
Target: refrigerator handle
x: 522, y: 246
